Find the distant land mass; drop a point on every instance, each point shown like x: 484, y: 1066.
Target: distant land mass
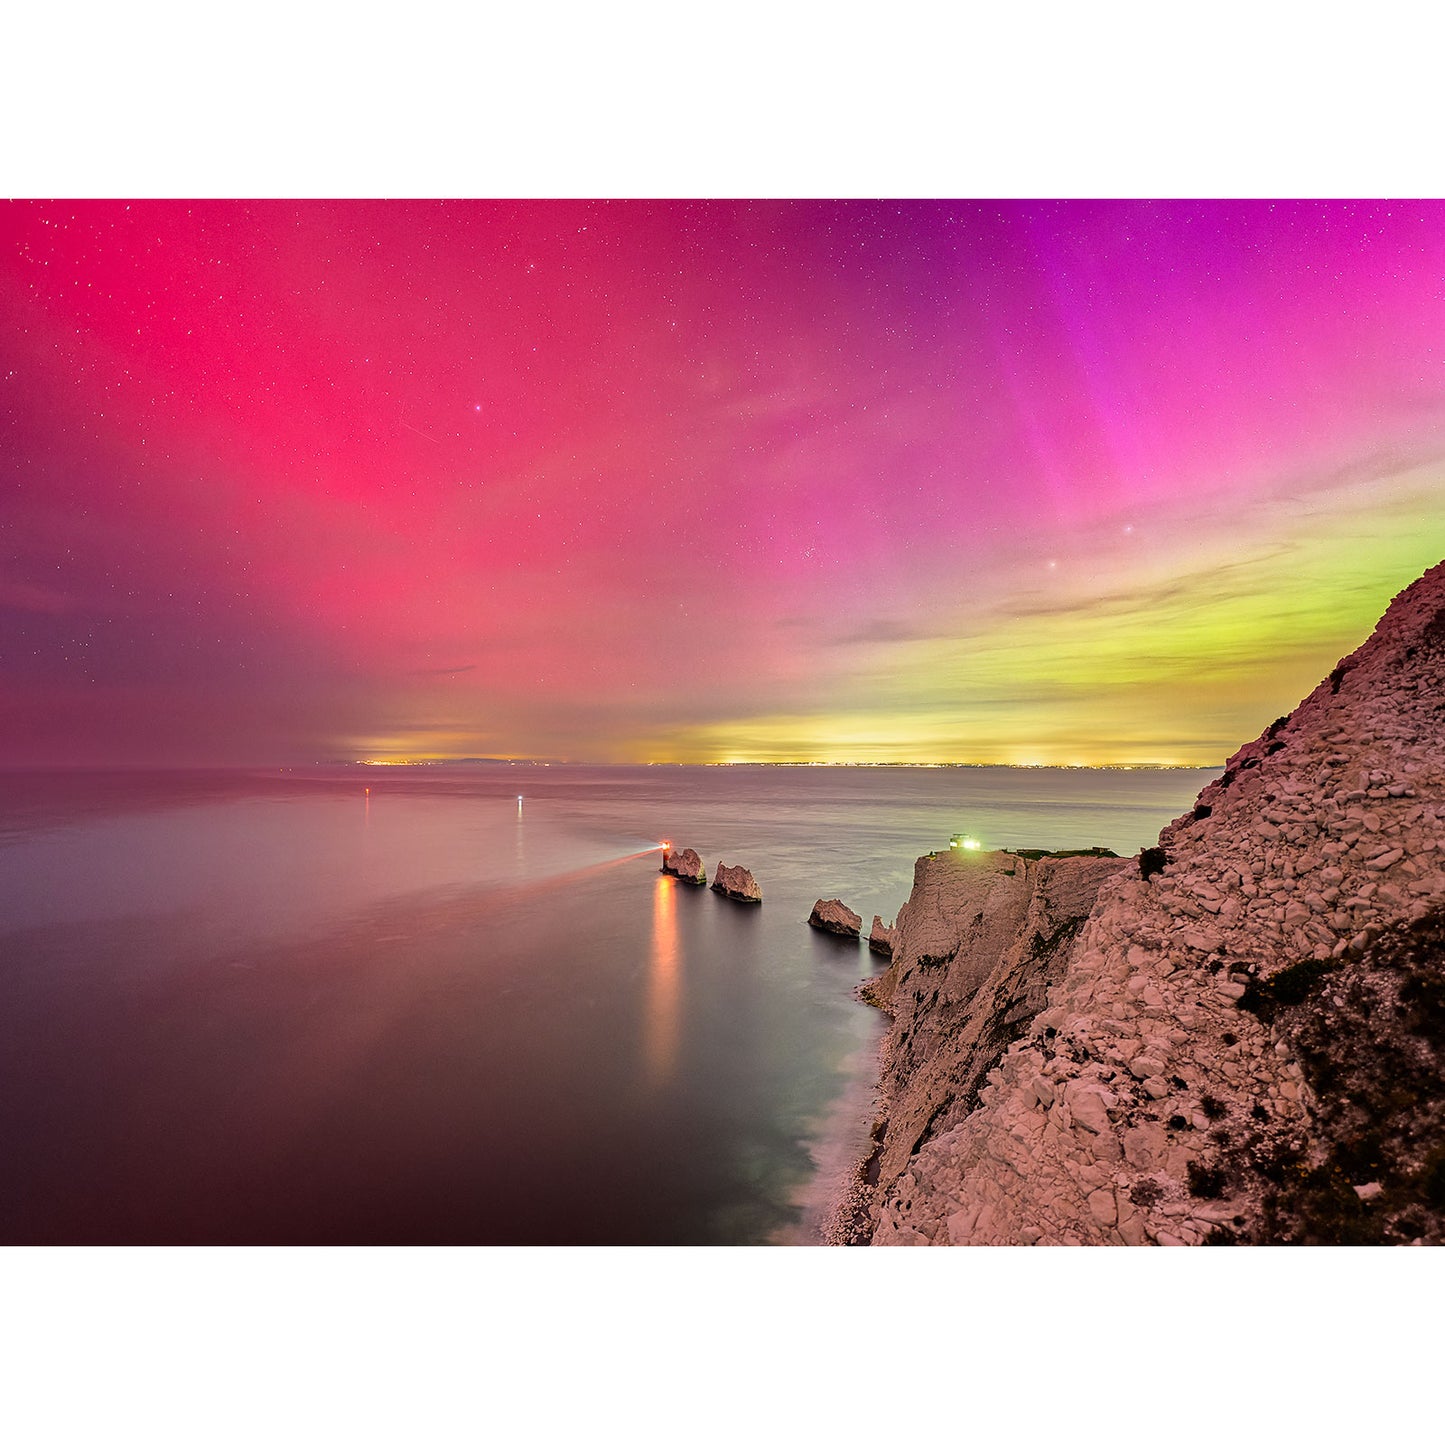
x: 444, y: 762
x: 760, y: 763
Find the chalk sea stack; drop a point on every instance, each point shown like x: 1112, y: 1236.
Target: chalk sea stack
x: 736, y: 883
x: 1239, y: 1040
x: 832, y: 915
x: 684, y: 864
x: 880, y: 938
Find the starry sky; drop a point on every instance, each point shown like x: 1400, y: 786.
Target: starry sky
x: 1045, y: 482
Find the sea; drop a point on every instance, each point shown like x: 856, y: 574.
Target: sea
x: 461, y: 1004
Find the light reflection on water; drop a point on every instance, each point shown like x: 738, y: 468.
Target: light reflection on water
x: 288, y: 1009
x: 664, y: 984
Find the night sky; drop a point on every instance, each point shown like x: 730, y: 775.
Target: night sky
x: 1066, y: 482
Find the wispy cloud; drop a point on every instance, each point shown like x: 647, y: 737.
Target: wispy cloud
x: 20, y: 596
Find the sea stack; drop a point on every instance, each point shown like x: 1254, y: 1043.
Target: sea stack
x: 880, y: 940
x: 684, y: 864
x: 736, y: 883
x: 1234, y: 1039
x: 832, y: 915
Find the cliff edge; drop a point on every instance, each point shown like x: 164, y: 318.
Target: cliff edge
x: 1236, y: 1038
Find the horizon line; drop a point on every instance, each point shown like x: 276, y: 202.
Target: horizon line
x: 1147, y: 765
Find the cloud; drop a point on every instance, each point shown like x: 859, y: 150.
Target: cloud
x: 18, y: 596
x: 893, y: 629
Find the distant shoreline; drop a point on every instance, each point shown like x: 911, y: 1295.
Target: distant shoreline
x: 571, y: 763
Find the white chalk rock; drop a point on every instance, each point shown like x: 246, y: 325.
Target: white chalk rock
x: 685, y: 864
x: 736, y: 883
x: 880, y: 940
x: 832, y: 915
x: 1086, y: 1104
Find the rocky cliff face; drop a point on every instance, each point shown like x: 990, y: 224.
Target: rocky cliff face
x: 978, y: 943
x: 1233, y: 1039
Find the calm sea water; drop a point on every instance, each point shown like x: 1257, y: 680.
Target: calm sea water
x: 279, y: 1008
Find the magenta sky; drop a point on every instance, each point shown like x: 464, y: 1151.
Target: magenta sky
x: 1060, y: 481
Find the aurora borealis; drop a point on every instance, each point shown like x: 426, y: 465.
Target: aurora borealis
x: 1052, y: 482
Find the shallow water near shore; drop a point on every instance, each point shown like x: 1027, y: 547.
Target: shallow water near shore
x: 275, y: 1007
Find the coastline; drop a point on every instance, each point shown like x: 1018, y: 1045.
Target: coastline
x: 1164, y: 1066
x: 828, y: 1198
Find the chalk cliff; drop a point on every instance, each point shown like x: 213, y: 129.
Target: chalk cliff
x: 1235, y: 1038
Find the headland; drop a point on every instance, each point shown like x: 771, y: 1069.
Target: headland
x: 1236, y: 1037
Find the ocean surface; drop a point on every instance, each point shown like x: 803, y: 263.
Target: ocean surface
x: 461, y: 1005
